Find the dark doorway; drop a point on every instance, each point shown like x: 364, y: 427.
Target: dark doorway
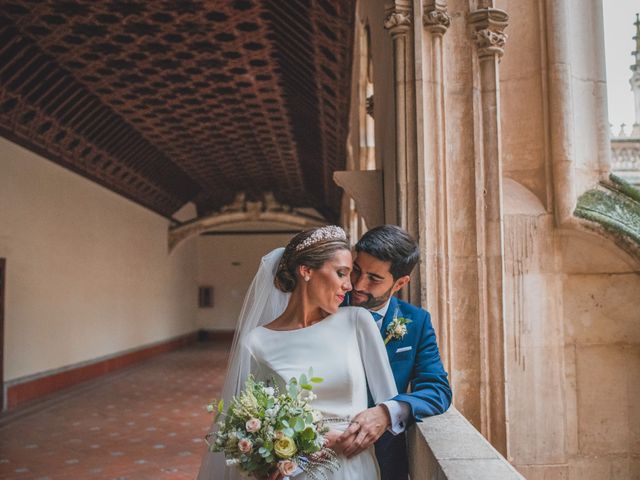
x: 2, y: 270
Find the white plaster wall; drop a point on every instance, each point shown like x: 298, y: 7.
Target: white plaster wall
x: 88, y: 272
x: 216, y: 257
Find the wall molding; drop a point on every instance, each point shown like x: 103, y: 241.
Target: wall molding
x: 23, y: 390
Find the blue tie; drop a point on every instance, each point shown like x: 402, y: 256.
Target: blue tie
x: 376, y: 316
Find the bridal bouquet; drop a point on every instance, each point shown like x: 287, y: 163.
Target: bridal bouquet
x: 265, y: 430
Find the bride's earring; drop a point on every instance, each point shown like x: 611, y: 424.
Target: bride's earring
x: 306, y: 279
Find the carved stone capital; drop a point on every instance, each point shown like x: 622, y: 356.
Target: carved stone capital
x: 488, y: 31
x: 435, y: 18
x: 398, y: 18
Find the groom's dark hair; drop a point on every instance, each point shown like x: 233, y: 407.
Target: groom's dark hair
x: 390, y: 243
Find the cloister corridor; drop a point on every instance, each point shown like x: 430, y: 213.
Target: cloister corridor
x: 145, y: 422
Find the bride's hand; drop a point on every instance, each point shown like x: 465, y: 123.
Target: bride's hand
x: 365, y: 429
x: 332, y: 441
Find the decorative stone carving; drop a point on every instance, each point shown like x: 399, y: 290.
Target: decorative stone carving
x: 490, y: 40
x: 268, y: 211
x: 398, y: 19
x: 268, y: 204
x: 615, y: 208
x: 435, y: 18
x: 488, y: 31
x: 238, y: 204
x: 272, y: 205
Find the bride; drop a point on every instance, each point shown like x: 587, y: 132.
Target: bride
x: 291, y: 321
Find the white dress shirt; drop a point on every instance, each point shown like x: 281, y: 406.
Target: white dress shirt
x: 398, y: 411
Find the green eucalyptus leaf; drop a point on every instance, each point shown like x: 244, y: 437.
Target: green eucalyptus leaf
x: 308, y: 434
x: 293, y: 390
x: 299, y: 425
x: 316, y: 380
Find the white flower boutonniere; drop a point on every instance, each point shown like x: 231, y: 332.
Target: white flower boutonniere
x: 397, y: 329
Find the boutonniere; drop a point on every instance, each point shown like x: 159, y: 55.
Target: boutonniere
x: 397, y: 329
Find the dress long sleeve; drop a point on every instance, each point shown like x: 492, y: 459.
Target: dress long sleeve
x: 374, y: 357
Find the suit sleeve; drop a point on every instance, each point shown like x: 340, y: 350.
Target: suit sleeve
x: 430, y: 391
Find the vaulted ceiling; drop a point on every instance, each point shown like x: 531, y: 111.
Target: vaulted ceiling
x: 169, y: 102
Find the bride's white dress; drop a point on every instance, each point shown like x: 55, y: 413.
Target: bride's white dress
x: 347, y: 351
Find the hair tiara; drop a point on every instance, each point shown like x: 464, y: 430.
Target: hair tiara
x: 322, y: 234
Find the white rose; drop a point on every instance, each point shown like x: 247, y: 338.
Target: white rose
x: 253, y: 425
x: 269, y: 391
x: 400, y: 330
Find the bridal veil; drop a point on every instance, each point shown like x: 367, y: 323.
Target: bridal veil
x: 262, y: 304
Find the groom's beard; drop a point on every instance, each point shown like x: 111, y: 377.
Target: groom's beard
x: 371, y: 302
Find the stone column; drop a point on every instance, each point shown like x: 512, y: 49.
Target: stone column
x: 561, y: 112
x: 434, y: 235
x: 488, y: 26
x: 399, y: 22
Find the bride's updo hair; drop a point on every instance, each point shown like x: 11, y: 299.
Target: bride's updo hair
x: 311, y: 248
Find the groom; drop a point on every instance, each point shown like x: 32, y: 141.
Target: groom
x: 385, y: 257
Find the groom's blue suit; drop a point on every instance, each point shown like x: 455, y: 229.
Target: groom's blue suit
x: 415, y: 361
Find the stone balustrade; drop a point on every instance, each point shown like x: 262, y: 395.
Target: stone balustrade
x: 625, y: 159
x: 448, y: 447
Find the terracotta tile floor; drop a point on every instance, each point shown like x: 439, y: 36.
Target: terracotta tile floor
x: 145, y: 422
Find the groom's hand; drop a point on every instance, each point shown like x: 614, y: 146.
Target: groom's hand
x: 366, y: 427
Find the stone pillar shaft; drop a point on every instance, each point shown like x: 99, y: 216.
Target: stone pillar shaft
x: 434, y: 228
x: 399, y: 23
x: 561, y: 112
x: 488, y: 25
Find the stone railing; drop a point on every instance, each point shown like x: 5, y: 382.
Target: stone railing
x: 448, y: 447
x: 625, y: 159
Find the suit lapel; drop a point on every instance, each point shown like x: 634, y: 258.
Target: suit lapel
x: 393, y: 305
x: 388, y: 318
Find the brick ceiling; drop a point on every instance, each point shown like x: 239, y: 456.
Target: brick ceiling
x: 167, y: 102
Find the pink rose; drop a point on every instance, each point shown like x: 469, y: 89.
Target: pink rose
x: 245, y: 445
x: 287, y: 467
x: 252, y: 425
